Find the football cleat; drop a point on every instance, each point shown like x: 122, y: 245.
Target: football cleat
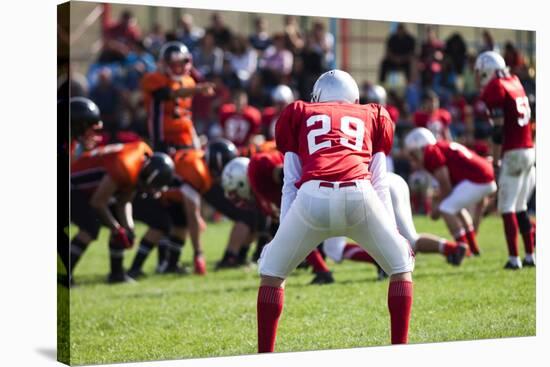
x: 176, y: 269
x: 228, y: 262
x: 324, y: 277
x: 511, y: 266
x: 135, y: 274
x: 458, y: 255
x: 114, y: 278
x: 528, y: 263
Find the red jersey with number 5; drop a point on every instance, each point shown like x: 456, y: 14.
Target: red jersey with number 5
x: 462, y: 163
x: 505, y: 96
x: 335, y: 141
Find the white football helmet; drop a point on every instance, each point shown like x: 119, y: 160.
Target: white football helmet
x: 282, y: 94
x: 377, y: 94
x: 487, y: 64
x: 235, y: 179
x: 334, y: 86
x: 418, y: 138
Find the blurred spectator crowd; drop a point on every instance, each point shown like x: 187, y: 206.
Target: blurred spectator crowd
x: 439, y: 89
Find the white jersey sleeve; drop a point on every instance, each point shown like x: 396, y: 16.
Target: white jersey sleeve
x: 380, y: 182
x: 292, y: 171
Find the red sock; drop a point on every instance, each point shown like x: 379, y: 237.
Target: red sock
x: 269, y: 309
x: 460, y: 237
x: 400, y: 299
x: 356, y: 253
x: 316, y: 261
x: 511, y: 230
x: 472, y: 241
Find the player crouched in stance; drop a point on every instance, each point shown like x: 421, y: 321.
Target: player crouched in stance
x: 464, y: 179
x: 327, y: 146
x: 423, y: 242
x: 510, y: 114
x: 103, y: 183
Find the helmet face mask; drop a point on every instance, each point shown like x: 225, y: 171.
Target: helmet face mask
x: 176, y: 59
x: 218, y: 153
x: 335, y: 86
x: 156, y: 173
x: 85, y: 117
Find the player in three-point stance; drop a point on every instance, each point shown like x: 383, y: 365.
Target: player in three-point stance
x: 328, y: 145
x: 513, y: 152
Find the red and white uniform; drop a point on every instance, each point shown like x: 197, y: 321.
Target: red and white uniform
x: 239, y: 127
x: 471, y: 175
x: 260, y: 176
x: 330, y: 150
x: 437, y: 122
x: 505, y: 97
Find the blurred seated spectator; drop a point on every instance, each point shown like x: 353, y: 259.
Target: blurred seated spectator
x: 400, y: 48
x: 514, y: 59
x: 110, y: 100
x: 154, y: 40
x: 469, y: 85
x: 72, y: 84
x: 240, y: 121
x: 229, y: 76
x: 207, y: 57
x: 276, y: 62
x: 413, y: 95
x: 431, y: 57
x: 243, y: 58
x: 137, y: 63
x: 260, y: 39
x: 187, y: 33
x: 321, y: 43
x: 455, y: 50
x: 293, y: 36
x: 461, y: 115
x: 257, y: 93
x: 487, y: 43
x: 432, y: 117
x: 222, y: 33
x: 117, y: 36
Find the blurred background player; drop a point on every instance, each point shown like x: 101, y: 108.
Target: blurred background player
x: 513, y: 152
x: 85, y: 124
x: 464, y: 179
x: 239, y: 121
x: 167, y: 96
x: 281, y: 96
x: 103, y: 183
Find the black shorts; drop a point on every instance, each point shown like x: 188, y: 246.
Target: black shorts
x: 83, y: 215
x: 216, y: 198
x: 157, y: 215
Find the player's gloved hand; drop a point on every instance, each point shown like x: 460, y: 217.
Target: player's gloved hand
x: 131, y: 236
x: 120, y: 237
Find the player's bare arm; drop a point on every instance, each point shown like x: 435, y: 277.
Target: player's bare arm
x: 100, y: 202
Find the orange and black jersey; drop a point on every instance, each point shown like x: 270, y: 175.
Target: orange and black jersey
x: 169, y: 118
x: 252, y: 149
x: 122, y: 162
x: 192, y: 169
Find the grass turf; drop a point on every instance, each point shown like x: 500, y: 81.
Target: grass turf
x: 174, y: 317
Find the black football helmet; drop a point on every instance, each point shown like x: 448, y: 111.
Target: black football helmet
x: 157, y: 172
x: 84, y: 114
x: 175, y: 58
x: 218, y: 153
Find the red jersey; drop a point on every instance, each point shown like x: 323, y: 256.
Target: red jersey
x: 437, y: 122
x: 462, y: 163
x: 239, y: 126
x: 335, y: 141
x: 122, y: 162
x: 270, y: 115
x: 394, y: 113
x: 261, y: 177
x: 506, y: 97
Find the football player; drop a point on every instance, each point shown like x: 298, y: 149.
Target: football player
x: 167, y: 96
x: 463, y: 177
x: 513, y: 152
x: 103, y: 183
x: 85, y: 124
x: 259, y: 181
x: 328, y: 145
x: 432, y: 117
x: 239, y: 121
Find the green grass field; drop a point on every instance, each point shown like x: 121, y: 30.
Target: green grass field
x: 171, y: 317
